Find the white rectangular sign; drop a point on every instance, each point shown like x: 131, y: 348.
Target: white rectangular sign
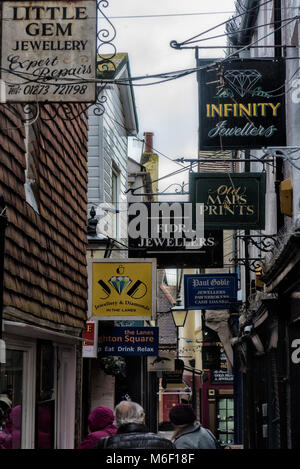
x: 49, y: 50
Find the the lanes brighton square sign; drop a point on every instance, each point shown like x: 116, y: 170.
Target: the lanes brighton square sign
x: 49, y: 50
x: 164, y: 230
x: 128, y: 341
x: 242, y: 104
x: 231, y: 200
x: 210, y: 291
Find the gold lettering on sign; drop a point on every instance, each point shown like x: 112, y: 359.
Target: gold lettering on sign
x: 240, y: 110
x: 228, y: 200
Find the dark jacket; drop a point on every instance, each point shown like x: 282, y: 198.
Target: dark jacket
x: 134, y: 436
x: 101, y: 425
x: 195, y: 437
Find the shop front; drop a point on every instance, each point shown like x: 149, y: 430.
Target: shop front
x: 38, y: 388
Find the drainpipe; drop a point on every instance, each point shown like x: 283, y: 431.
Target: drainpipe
x: 279, y: 161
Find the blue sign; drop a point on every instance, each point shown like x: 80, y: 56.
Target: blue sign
x: 210, y: 291
x: 127, y: 341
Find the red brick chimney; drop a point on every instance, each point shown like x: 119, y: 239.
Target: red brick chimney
x: 148, y: 142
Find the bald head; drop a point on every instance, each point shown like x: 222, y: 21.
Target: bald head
x: 129, y: 412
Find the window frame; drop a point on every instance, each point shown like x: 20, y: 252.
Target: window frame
x: 28, y: 399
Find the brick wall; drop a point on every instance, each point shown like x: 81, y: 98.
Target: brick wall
x: 45, y: 275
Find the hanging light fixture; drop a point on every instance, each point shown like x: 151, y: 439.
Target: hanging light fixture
x: 97, y: 241
x: 179, y: 313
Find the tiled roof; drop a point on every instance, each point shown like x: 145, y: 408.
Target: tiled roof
x: 45, y: 253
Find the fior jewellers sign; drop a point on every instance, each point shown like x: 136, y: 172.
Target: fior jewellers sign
x: 48, y: 50
x: 163, y: 230
x: 242, y: 104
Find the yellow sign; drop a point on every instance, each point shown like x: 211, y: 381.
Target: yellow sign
x: 122, y: 289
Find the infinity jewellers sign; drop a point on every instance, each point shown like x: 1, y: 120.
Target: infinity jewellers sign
x: 49, y: 50
x: 230, y: 200
x: 242, y: 104
x: 164, y: 230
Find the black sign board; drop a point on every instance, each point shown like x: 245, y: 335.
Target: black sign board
x: 211, y: 357
x: 242, y: 104
x: 231, y: 200
x: 222, y: 376
x: 165, y: 239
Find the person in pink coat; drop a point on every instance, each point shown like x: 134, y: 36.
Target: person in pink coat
x: 101, y: 425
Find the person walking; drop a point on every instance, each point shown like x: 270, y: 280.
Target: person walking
x: 189, y: 433
x: 132, y: 432
x: 100, y: 423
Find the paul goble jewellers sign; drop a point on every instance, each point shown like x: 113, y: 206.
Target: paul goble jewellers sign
x: 242, y: 104
x: 49, y: 50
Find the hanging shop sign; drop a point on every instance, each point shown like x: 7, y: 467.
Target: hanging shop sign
x: 127, y: 341
x: 230, y: 200
x: 210, y: 291
x: 122, y: 289
x: 48, y: 50
x: 210, y: 357
x: 165, y: 361
x: 90, y: 343
x: 242, y: 104
x: 164, y: 230
x: 221, y: 375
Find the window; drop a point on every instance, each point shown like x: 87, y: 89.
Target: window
x: 11, y: 401
x: 45, y: 395
x: 225, y: 421
x: 17, y: 397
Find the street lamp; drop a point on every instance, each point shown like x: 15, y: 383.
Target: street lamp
x: 179, y: 313
x: 96, y: 241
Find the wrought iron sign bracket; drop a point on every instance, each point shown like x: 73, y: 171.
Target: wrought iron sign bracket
x: 215, y: 160
x: 290, y: 154
x: 180, y: 191
x: 265, y: 243
x: 252, y: 263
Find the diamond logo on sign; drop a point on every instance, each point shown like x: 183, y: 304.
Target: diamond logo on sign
x: 242, y: 80
x: 120, y: 283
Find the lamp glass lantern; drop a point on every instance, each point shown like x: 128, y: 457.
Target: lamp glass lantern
x: 179, y: 313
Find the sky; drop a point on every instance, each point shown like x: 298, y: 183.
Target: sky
x: 169, y: 110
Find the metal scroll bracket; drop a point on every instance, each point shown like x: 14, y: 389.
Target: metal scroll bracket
x: 265, y: 243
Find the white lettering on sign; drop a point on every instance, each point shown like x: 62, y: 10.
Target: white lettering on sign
x: 168, y: 221
x: 49, y: 50
x: 295, y: 357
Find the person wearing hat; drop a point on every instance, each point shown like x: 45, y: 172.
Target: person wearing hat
x: 100, y: 422
x: 189, y: 433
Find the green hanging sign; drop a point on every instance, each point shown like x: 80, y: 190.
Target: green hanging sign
x: 230, y: 200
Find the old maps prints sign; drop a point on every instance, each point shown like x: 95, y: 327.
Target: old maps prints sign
x: 242, y: 104
x: 122, y: 289
x: 231, y: 200
x: 49, y: 50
